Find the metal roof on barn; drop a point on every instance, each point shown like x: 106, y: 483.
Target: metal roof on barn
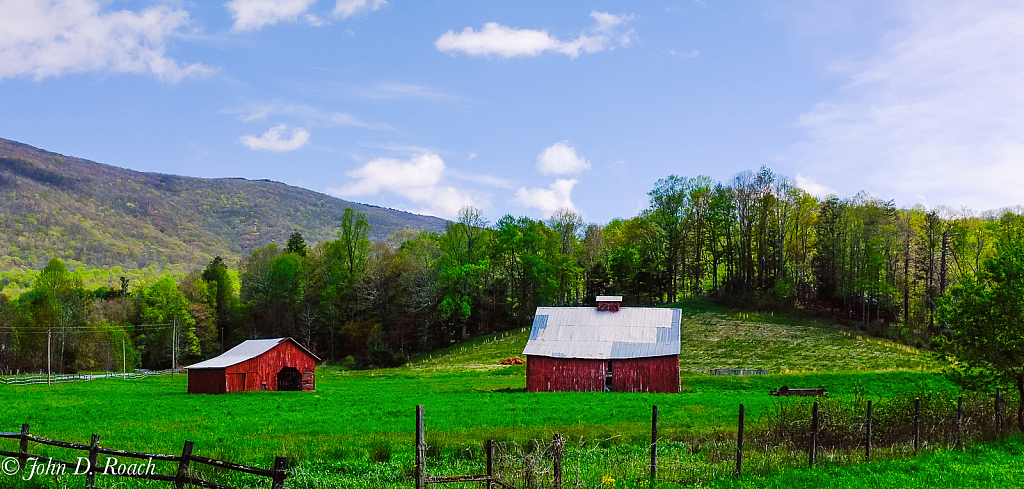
x: 585, y: 332
x: 245, y: 350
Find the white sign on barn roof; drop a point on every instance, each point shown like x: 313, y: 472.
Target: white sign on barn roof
x: 585, y: 332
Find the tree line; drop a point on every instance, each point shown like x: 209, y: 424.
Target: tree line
x: 755, y: 241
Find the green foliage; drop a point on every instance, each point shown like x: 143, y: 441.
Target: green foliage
x: 296, y: 244
x: 985, y: 311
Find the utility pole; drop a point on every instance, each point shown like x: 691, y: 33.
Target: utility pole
x: 48, y: 335
x: 174, y: 345
x: 124, y: 360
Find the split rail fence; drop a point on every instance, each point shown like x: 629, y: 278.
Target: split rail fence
x: 955, y: 432
x: 180, y: 479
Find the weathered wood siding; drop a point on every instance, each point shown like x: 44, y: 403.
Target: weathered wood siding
x: 261, y: 372
x: 207, y: 381
x: 653, y: 374
x: 546, y: 374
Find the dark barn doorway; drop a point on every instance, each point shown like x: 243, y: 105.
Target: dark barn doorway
x: 289, y: 379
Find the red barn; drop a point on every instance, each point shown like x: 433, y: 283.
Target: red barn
x: 279, y: 364
x: 608, y: 348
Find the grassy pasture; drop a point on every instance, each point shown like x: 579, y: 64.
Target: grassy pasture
x: 357, y: 429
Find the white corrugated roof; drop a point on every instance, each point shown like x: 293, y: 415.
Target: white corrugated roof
x: 585, y: 332
x: 247, y: 350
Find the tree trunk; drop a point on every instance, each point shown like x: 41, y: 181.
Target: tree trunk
x: 1020, y: 404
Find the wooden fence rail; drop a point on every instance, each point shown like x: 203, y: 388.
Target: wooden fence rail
x: 180, y: 479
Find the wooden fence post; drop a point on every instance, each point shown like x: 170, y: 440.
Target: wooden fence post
x: 23, y: 447
x: 654, y: 446
x: 421, y: 470
x: 90, y: 476
x: 739, y: 445
x: 559, y: 444
x: 280, y: 472
x: 867, y: 435
x: 489, y: 448
x: 960, y: 421
x: 917, y: 424
x: 814, y: 435
x: 186, y: 457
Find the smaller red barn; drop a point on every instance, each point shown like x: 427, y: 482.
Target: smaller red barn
x: 279, y: 364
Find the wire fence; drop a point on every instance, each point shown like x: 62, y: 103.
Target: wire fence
x: 797, y: 432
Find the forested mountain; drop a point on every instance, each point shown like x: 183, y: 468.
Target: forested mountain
x: 102, y: 216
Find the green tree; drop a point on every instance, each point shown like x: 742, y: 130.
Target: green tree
x: 985, y: 313
x: 222, y: 289
x: 353, y: 238
x: 59, y: 302
x: 163, y: 304
x: 296, y: 244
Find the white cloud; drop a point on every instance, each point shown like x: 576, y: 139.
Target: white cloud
x: 272, y: 139
x: 254, y: 14
x: 508, y: 42
x: 812, y: 187
x: 348, y: 8
x: 937, y: 112
x: 418, y: 179
x: 311, y: 115
x: 548, y: 200
x: 52, y: 38
x: 561, y: 159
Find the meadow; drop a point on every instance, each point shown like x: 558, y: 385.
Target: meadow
x: 357, y: 429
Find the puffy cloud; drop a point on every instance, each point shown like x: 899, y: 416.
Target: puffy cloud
x: 561, y: 159
x: 812, y: 187
x: 254, y: 14
x: 548, y: 200
x: 272, y: 140
x: 418, y: 179
x: 935, y: 114
x: 52, y: 38
x: 348, y: 8
x: 508, y: 42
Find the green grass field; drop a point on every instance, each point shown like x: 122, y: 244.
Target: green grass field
x: 357, y: 429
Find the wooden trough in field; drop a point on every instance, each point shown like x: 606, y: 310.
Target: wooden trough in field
x: 786, y: 391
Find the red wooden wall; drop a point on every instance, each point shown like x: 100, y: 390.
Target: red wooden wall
x: 206, y: 381
x: 263, y: 369
x: 653, y: 374
x: 256, y: 373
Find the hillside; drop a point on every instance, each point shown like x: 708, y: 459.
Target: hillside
x: 725, y: 339
x: 102, y: 216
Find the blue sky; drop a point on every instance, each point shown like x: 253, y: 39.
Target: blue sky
x: 527, y: 107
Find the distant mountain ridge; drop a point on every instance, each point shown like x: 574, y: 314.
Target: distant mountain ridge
x: 101, y: 215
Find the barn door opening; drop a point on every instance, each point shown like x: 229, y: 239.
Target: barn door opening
x: 289, y: 379
x: 608, y: 376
